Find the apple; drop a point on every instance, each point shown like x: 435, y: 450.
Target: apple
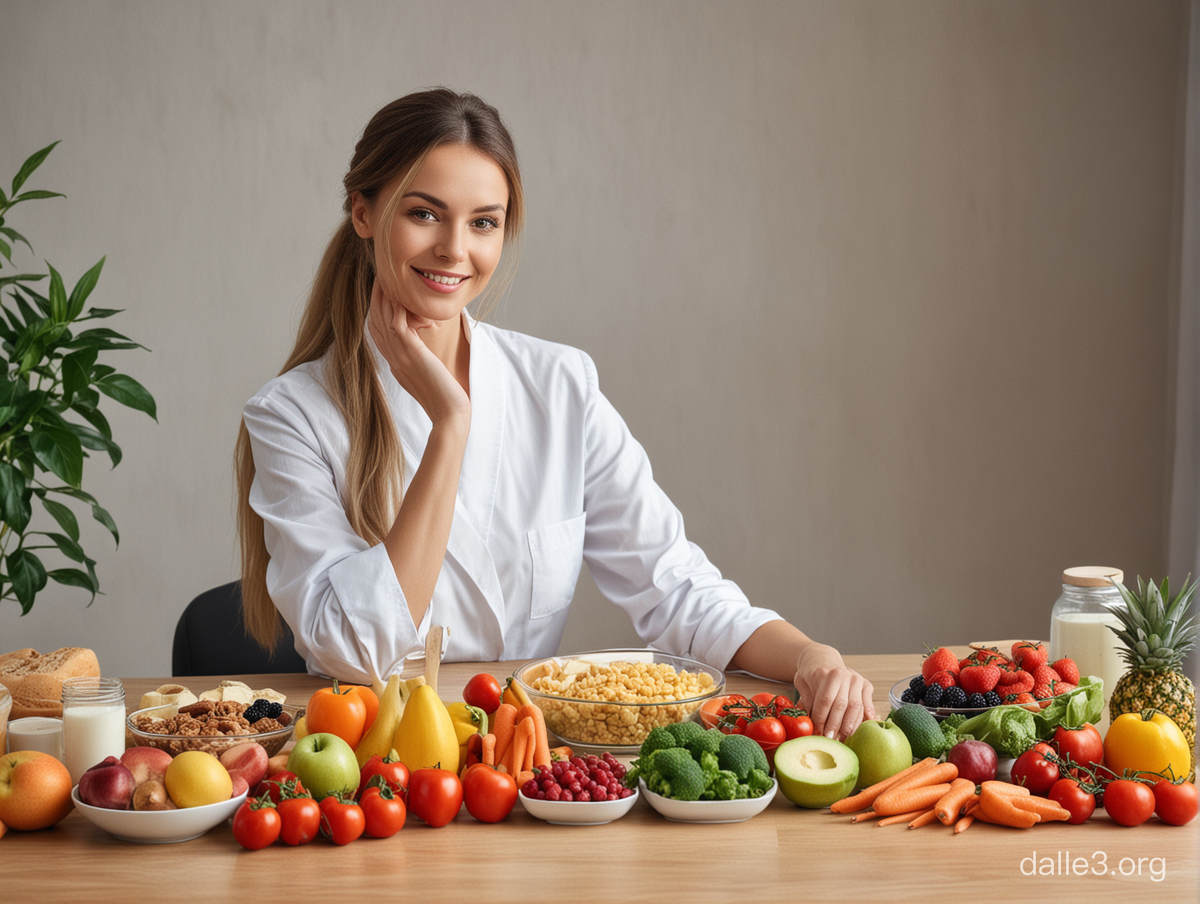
x: 815, y: 771
x: 108, y: 784
x: 248, y: 760
x: 883, y: 749
x: 325, y: 764
x: 146, y: 763
x: 35, y: 790
x: 976, y: 761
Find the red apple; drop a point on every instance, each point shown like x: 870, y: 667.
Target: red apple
x: 976, y: 761
x: 247, y: 760
x: 108, y: 784
x: 146, y: 763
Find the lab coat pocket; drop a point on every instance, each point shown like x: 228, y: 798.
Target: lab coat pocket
x: 557, y: 553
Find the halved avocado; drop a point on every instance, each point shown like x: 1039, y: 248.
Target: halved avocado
x: 815, y: 771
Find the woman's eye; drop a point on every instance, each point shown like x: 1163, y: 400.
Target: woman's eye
x: 421, y: 214
x: 487, y: 223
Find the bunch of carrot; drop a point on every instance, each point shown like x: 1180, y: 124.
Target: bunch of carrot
x: 518, y: 742
x: 930, y: 790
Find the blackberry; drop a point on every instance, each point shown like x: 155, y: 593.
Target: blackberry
x: 262, y: 709
x: 933, y: 694
x: 954, y: 698
x: 918, y: 684
x: 991, y: 698
x: 909, y: 696
x: 976, y: 701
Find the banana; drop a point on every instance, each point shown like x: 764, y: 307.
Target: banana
x: 378, y: 739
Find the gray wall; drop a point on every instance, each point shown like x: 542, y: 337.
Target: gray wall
x: 884, y: 288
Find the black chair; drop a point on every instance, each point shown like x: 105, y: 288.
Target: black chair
x: 211, y: 639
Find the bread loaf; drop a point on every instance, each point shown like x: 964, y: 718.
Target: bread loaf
x: 35, y: 681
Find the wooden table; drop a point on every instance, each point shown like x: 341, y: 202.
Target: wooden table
x: 784, y: 854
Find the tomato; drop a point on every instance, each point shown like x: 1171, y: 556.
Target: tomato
x: 300, y: 820
x: 389, y: 769
x: 256, y: 823
x: 280, y: 786
x: 1034, y: 771
x: 1175, y: 802
x: 342, y: 820
x: 1068, y: 795
x: 489, y: 793
x: 1083, y: 745
x: 483, y: 691
x: 763, y: 699
x: 435, y: 795
x: 796, y: 723
x: 767, y: 732
x: 337, y: 711
x: 383, y: 810
x: 1129, y: 802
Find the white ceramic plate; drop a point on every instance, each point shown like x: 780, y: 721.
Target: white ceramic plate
x: 708, y: 810
x: 578, y: 812
x: 158, y: 826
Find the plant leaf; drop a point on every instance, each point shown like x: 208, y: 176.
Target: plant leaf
x: 83, y: 289
x: 33, y: 162
x: 128, y: 392
x: 68, y: 547
x: 90, y: 439
x: 35, y: 195
x: 102, y: 338
x: 6, y: 250
x: 73, y: 577
x: 27, y: 575
x: 15, y: 236
x: 14, y: 498
x: 100, y: 313
x: 98, y: 513
x: 93, y: 416
x: 64, y: 516
x: 58, y: 296
x: 58, y: 450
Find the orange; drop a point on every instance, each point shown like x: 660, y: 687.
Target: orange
x: 35, y: 790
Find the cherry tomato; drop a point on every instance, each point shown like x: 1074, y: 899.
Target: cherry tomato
x: 300, y: 820
x: 483, y: 691
x: 338, y: 711
x: 780, y: 703
x: 389, y: 769
x: 763, y: 699
x: 1129, y: 802
x: 1175, y: 803
x: 383, y: 810
x: 796, y: 723
x: 1083, y: 745
x: 767, y: 732
x: 489, y: 793
x: 1034, y: 771
x: 435, y: 795
x: 1068, y: 795
x: 342, y: 820
x: 280, y: 786
x: 256, y: 824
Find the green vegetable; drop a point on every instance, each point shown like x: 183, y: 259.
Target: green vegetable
x: 673, y: 773
x: 684, y: 732
x: 759, y: 782
x: 658, y: 739
x: 723, y: 786
x: 924, y: 734
x: 706, y: 741
x: 1012, y: 730
x: 739, y: 754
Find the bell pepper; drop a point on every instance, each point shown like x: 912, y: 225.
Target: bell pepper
x: 1148, y: 741
x: 468, y: 720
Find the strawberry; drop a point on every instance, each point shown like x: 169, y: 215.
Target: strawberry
x: 1025, y: 697
x: 979, y: 679
x: 1058, y: 688
x: 1067, y: 670
x: 1029, y: 654
x: 1018, y: 682
x: 1043, y: 674
x: 945, y: 678
x: 940, y: 659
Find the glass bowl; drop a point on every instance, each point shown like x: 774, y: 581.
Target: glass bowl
x: 941, y: 712
x: 174, y: 744
x: 589, y: 702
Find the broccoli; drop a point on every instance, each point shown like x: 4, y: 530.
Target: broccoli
x: 673, y: 773
x: 758, y: 783
x: 709, y: 740
x: 708, y: 765
x: 683, y: 732
x: 722, y: 786
x: 739, y: 754
x: 658, y: 739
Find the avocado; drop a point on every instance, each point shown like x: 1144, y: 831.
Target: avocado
x: 925, y: 736
x: 815, y: 771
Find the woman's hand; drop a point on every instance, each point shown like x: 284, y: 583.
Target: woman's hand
x: 416, y: 368
x: 837, y: 698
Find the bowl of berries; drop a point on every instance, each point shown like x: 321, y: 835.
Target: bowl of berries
x: 581, y: 791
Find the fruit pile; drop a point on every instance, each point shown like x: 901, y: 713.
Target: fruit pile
x: 580, y: 778
x: 989, y: 678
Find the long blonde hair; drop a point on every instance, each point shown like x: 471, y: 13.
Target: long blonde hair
x: 394, y: 144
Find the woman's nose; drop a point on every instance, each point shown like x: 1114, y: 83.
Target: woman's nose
x: 451, y: 244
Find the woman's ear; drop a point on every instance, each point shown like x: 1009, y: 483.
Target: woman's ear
x: 360, y: 215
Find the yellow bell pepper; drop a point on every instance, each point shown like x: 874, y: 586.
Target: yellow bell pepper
x: 1148, y: 741
x: 468, y: 720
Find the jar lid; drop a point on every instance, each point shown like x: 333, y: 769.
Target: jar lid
x: 1092, y: 576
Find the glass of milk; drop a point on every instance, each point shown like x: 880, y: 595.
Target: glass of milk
x: 93, y: 722
x: 1080, y: 623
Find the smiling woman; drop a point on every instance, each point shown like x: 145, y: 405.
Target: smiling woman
x: 523, y: 470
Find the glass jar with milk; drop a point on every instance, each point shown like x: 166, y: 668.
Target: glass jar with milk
x: 93, y: 722
x: 1079, y: 625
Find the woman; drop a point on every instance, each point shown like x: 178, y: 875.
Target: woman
x: 412, y: 463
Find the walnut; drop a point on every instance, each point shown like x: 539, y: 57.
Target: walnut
x: 265, y: 724
x: 200, y: 706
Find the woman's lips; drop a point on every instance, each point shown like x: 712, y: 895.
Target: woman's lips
x: 441, y: 282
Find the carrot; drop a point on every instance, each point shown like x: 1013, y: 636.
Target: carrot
x: 541, y: 749
x: 971, y: 807
x: 960, y: 793
x: 514, y: 757
x: 487, y: 755
x: 924, y: 819
x: 905, y: 799
x: 528, y: 728
x: 1005, y: 788
x: 899, y: 817
x: 504, y: 727
x: 935, y: 775
x: 1047, y: 809
x: 866, y: 796
x: 864, y: 816
x: 963, y: 824
x: 524, y: 776
x: 1000, y: 809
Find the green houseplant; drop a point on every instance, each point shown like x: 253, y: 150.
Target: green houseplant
x: 50, y: 387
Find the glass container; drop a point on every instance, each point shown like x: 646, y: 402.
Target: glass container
x: 93, y: 722
x: 1080, y: 623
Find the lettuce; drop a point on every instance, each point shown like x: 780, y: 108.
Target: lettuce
x: 1013, y: 729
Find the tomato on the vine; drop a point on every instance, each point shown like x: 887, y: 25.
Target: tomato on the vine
x: 435, y: 795
x: 796, y: 723
x: 483, y: 691
x: 1082, y: 745
x: 281, y: 785
x: 1128, y: 801
x: 763, y: 699
x: 1175, y: 802
x: 383, y: 811
x: 766, y: 731
x: 489, y: 793
x: 300, y: 820
x: 1067, y: 793
x: 388, y: 769
x: 1035, y: 771
x: 256, y: 823
x: 342, y: 820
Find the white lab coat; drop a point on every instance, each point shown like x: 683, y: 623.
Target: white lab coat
x: 551, y: 477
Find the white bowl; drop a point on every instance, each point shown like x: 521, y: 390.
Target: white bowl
x: 158, y: 826
x: 578, y: 812
x: 708, y: 810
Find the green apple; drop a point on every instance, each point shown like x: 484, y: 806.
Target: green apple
x: 325, y: 764
x: 815, y: 771
x: 883, y: 750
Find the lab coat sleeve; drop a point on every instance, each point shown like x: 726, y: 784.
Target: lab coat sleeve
x: 339, y: 595
x: 640, y: 557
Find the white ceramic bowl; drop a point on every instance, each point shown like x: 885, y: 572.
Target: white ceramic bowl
x: 708, y: 810
x: 158, y: 826
x: 578, y: 812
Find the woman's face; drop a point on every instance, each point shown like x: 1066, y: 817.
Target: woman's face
x: 447, y: 233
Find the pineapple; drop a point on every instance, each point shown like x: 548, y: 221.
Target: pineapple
x: 1156, y: 637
